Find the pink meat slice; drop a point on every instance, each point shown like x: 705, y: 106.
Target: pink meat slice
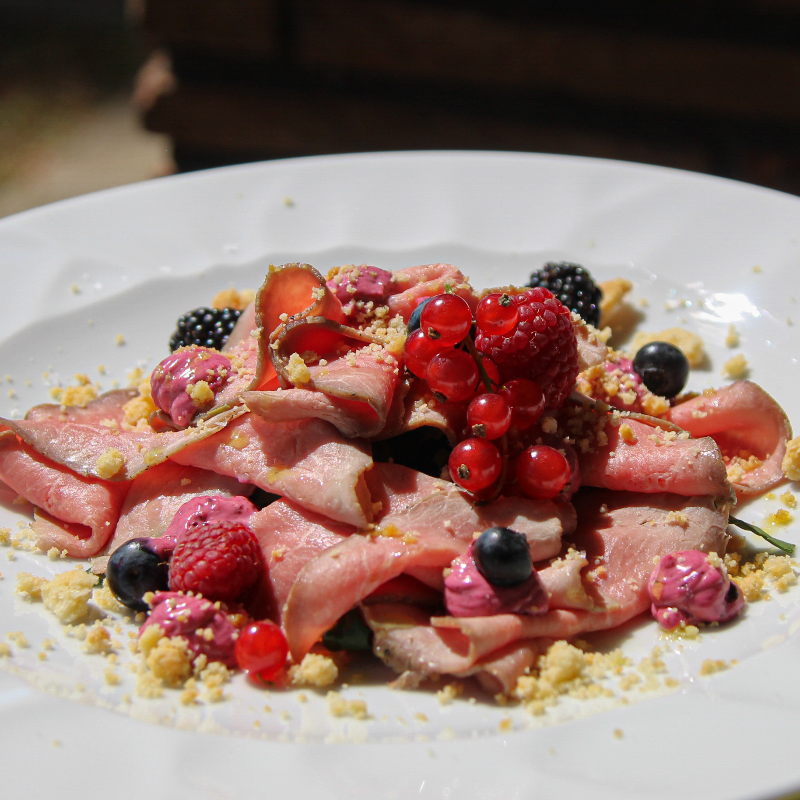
x: 340, y: 577
x: 353, y: 392
x: 76, y: 437
x: 290, y: 536
x: 743, y: 420
x: 416, y: 503
x: 413, y: 284
x: 307, y: 461
x: 81, y: 512
x: 156, y: 495
x: 619, y: 535
x: 651, y: 462
x: 422, y: 525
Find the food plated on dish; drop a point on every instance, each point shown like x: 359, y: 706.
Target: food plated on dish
x: 459, y: 481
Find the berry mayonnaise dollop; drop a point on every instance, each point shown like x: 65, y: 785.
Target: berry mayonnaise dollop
x: 207, y: 508
x: 187, y: 381
x: 205, y: 627
x: 360, y: 283
x: 690, y: 587
x: 467, y: 593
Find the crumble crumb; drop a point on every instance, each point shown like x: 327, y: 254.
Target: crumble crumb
x: 314, y: 670
x: 791, y: 460
x: 339, y: 706
x: 711, y: 666
x: 736, y: 367
x: 231, y: 298
x: 68, y: 594
x: 732, y: 339
x: 109, y: 463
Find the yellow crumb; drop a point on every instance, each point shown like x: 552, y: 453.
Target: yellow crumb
x: 736, y: 367
x: 314, y: 670
x: 339, y: 706
x: 109, y: 463
x: 68, y: 594
x: 231, y: 298
x: 732, y: 339
x: 791, y: 460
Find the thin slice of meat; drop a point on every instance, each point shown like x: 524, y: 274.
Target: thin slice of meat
x: 420, y: 409
x: 413, y: 284
x: 413, y: 502
x: 498, y: 673
x: 289, y: 536
x: 307, y: 461
x: 156, y: 495
x: 291, y: 292
x: 423, y: 524
x: 354, y: 392
x: 80, y: 437
x: 745, y: 422
x: 619, y: 536
x: 340, y: 577
x: 83, y: 511
x: 649, y: 460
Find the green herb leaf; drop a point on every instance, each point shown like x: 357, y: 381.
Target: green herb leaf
x: 786, y: 547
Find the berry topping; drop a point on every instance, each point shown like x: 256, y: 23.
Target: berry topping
x: 691, y: 587
x: 526, y: 401
x: 475, y: 464
x: 206, y: 629
x: 503, y: 556
x: 452, y: 375
x: 497, y: 314
x: 467, y: 592
x: 542, y: 472
x: 418, y: 351
x: 187, y: 381
x: 662, y: 367
x: 489, y: 416
x: 261, y: 650
x: 206, y: 327
x: 541, y: 346
x: 134, y: 569
x: 218, y: 560
x: 573, y: 286
x: 414, y: 319
x: 446, y: 318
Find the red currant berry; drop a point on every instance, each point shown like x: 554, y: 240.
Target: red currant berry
x: 418, y: 351
x: 496, y: 314
x: 526, y: 401
x: 446, y: 318
x: 475, y: 464
x: 542, y: 472
x: 489, y: 416
x: 452, y: 375
x: 261, y: 650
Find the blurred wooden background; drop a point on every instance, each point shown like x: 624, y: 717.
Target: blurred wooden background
x: 96, y: 93
x: 707, y: 85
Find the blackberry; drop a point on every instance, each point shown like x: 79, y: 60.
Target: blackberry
x: 204, y: 327
x: 573, y: 286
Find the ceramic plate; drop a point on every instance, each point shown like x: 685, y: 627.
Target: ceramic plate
x: 94, y: 285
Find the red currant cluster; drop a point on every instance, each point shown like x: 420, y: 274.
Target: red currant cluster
x: 442, y: 352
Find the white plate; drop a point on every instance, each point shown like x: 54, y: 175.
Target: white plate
x: 129, y: 261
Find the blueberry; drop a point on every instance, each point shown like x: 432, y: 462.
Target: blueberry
x: 133, y: 570
x: 662, y: 367
x: 413, y: 320
x: 503, y: 556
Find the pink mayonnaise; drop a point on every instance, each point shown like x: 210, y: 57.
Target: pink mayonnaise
x: 468, y: 594
x: 177, y: 375
x: 205, y: 627
x: 208, y: 508
x: 361, y: 283
x: 686, y: 587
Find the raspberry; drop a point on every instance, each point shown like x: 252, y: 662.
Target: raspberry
x: 219, y: 560
x: 541, y: 346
